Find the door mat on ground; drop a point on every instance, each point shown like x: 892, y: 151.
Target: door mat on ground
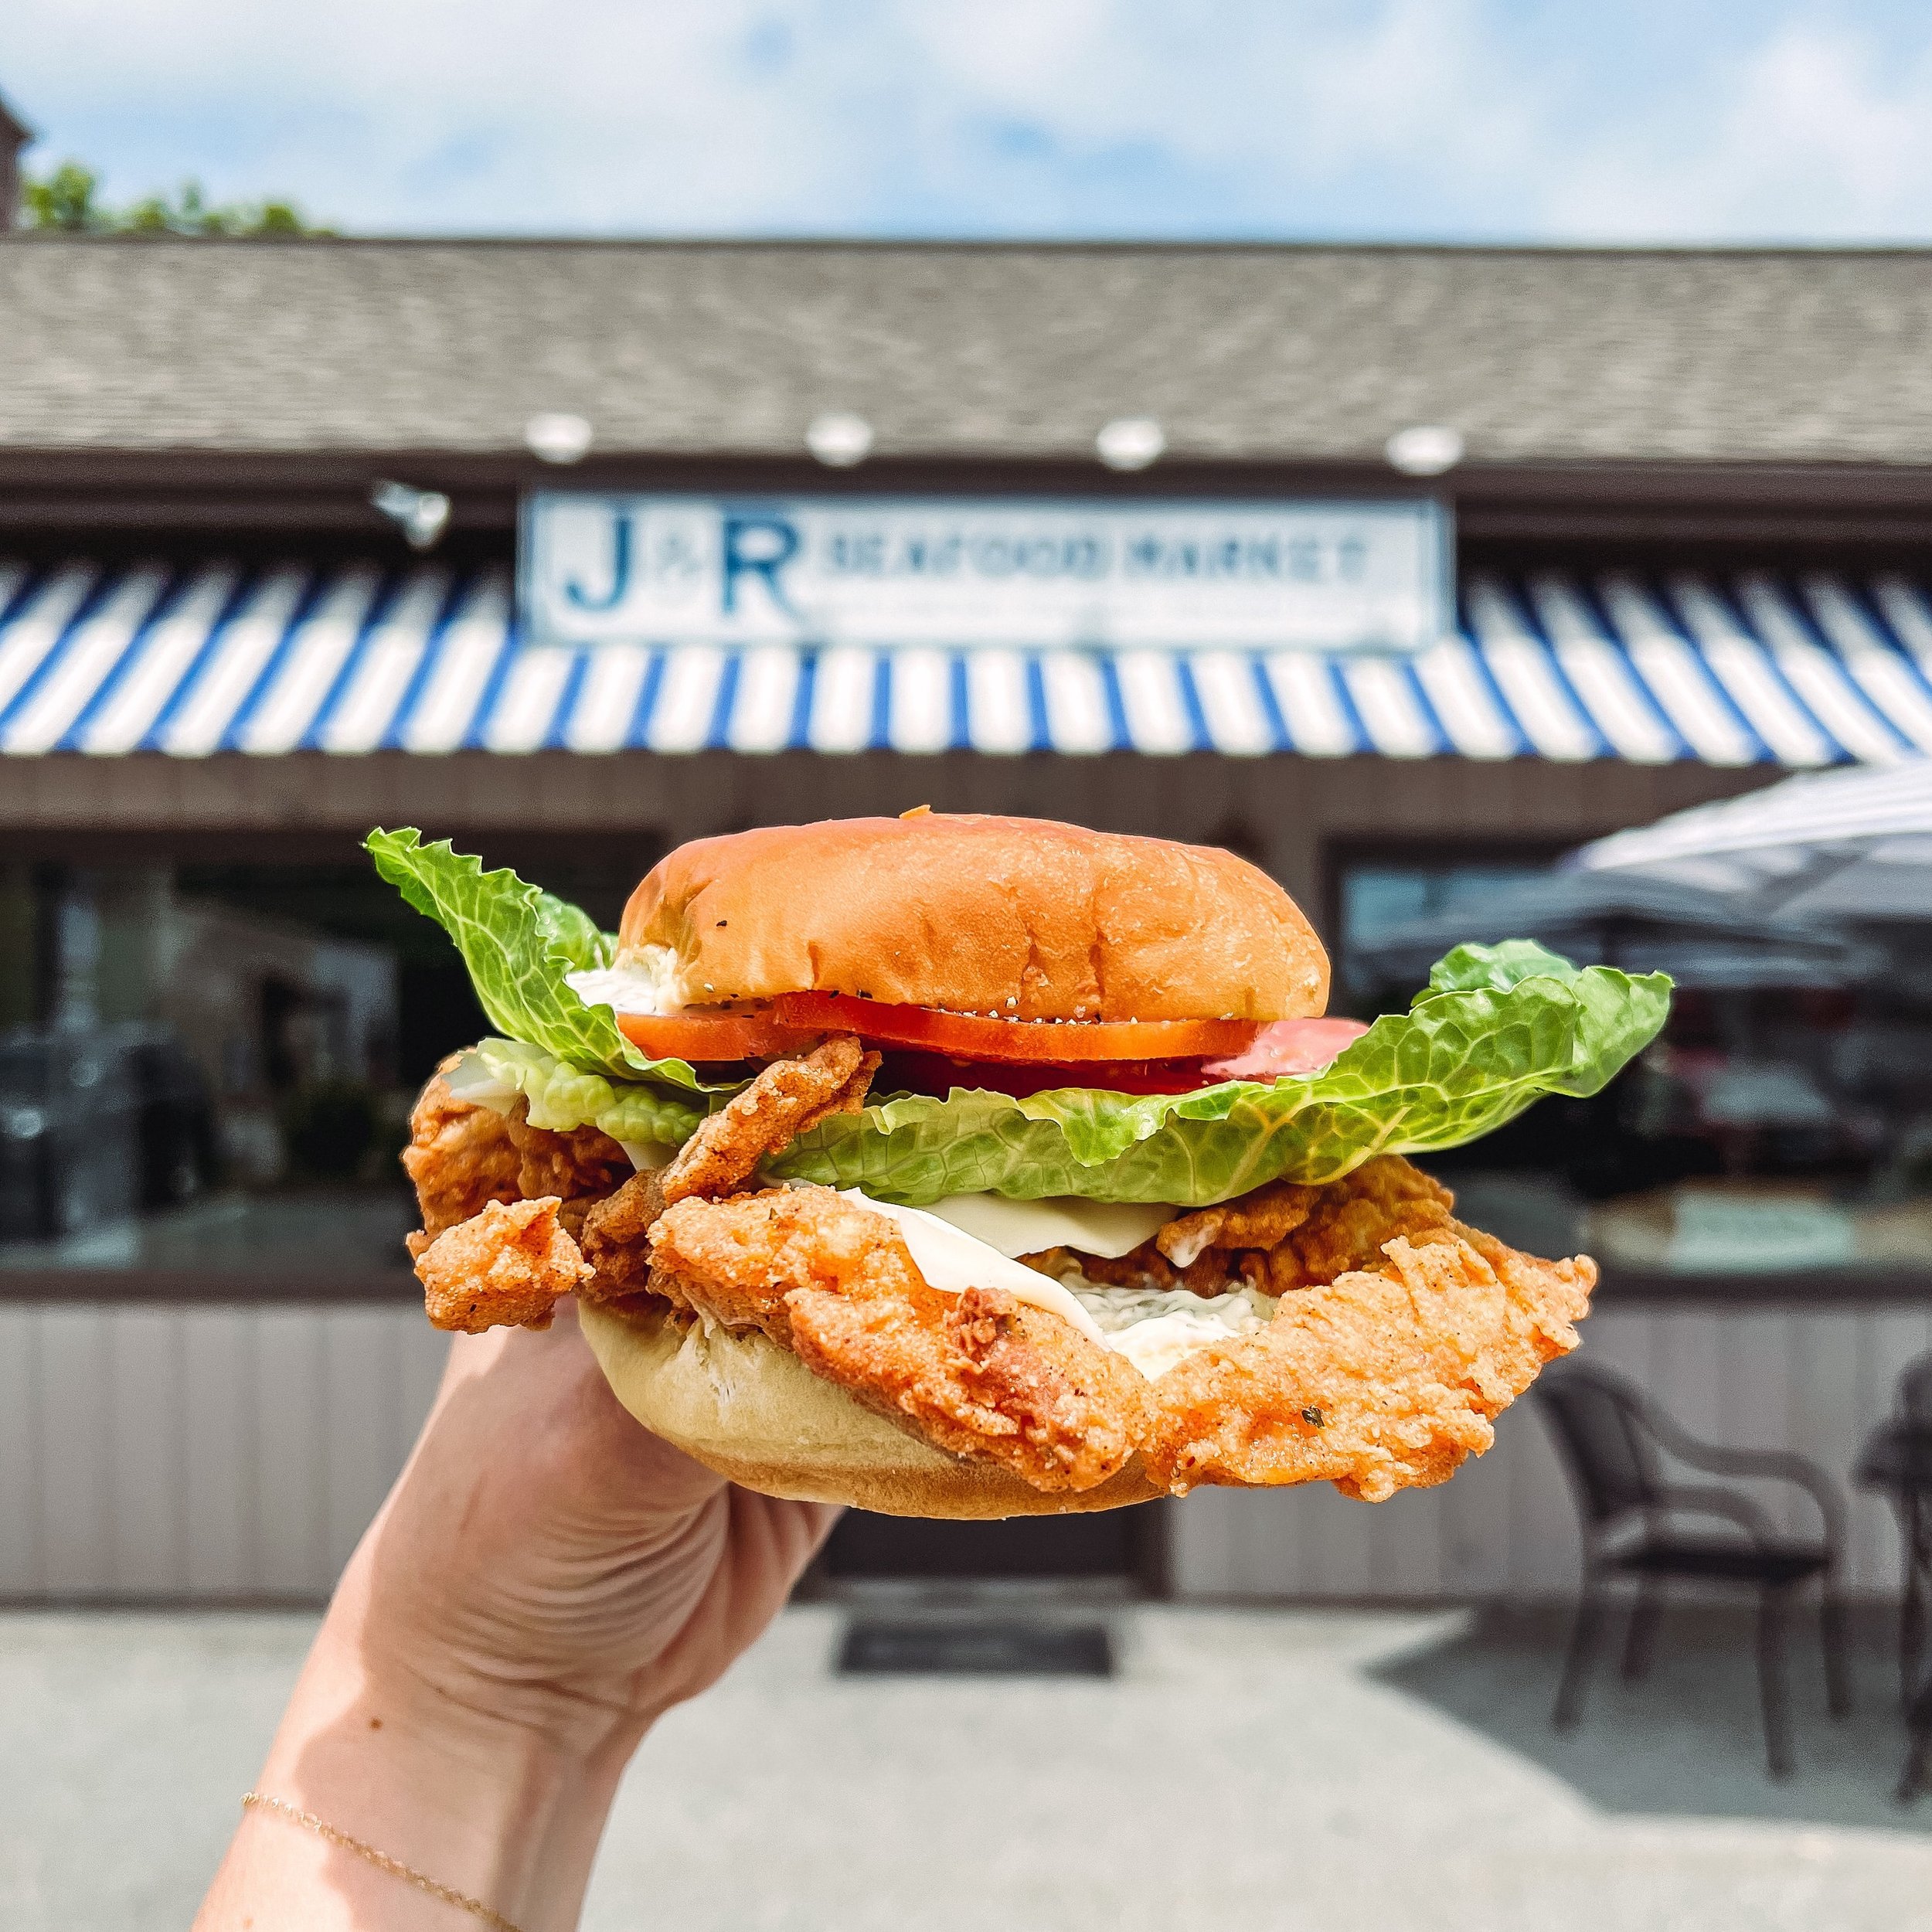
x: 979, y: 1648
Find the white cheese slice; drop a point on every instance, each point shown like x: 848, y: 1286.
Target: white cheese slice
x: 952, y: 1261
x: 1107, y: 1228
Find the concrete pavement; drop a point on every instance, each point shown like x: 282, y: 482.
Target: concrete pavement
x: 1247, y: 1769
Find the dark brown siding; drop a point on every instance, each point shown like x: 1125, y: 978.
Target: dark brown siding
x: 1288, y: 811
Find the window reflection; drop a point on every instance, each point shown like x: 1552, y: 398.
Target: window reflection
x: 1773, y: 1128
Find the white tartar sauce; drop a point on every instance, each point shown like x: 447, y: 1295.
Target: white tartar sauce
x: 642, y: 981
x: 1152, y: 1329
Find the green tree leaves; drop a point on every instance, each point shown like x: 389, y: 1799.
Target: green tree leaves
x: 67, y: 199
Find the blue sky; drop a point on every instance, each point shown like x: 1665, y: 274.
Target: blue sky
x: 1384, y: 119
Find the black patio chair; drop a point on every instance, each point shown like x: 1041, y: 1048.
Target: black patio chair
x: 1897, y: 1459
x: 1914, y: 1412
x: 1915, y: 1389
x: 1614, y: 1440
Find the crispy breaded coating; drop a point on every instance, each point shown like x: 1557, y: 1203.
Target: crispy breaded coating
x: 1254, y: 1220
x: 979, y: 1374
x: 460, y: 1156
x: 1211, y: 1273
x: 584, y: 1160
x: 1300, y: 1235
x: 1400, y: 1335
x: 1352, y: 1220
x: 789, y: 1096
x: 610, y: 1210
x: 1382, y: 1379
x: 613, y: 1236
x: 738, y: 1258
x: 991, y: 1377
x: 504, y: 1267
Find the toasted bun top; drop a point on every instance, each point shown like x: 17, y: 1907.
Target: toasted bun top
x: 1019, y: 917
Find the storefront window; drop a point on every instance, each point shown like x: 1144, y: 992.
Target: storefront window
x: 206, y: 1065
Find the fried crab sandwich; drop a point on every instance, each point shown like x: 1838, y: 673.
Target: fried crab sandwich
x: 952, y: 1166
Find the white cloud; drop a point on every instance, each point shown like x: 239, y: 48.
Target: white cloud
x: 494, y: 113
x: 1818, y: 136
x: 1373, y: 117
x: 1282, y: 90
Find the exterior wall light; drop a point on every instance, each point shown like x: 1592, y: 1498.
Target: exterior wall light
x: 839, y: 439
x: 1130, y: 442
x: 1425, y: 449
x: 555, y: 436
x: 422, y: 515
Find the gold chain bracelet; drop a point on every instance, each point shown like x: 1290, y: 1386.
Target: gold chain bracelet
x: 261, y: 1800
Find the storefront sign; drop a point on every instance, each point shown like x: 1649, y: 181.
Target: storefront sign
x: 896, y: 570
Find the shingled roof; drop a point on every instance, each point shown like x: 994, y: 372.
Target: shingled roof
x: 1273, y: 355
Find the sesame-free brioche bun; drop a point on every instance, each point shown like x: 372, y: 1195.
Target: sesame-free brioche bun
x: 752, y: 1411
x: 1019, y: 917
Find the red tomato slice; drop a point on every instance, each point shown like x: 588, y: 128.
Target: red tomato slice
x: 1288, y: 1046
x: 934, y: 1073
x: 967, y: 1036
x: 711, y: 1036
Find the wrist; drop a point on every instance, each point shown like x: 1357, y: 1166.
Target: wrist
x: 503, y: 1800
x: 472, y: 1711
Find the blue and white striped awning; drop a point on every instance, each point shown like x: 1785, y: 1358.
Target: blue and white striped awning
x: 1814, y: 671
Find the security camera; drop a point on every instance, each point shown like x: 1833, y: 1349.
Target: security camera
x: 422, y: 515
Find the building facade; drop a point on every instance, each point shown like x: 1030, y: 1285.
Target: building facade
x: 262, y: 510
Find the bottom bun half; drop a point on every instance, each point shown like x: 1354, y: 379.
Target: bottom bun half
x: 751, y: 1409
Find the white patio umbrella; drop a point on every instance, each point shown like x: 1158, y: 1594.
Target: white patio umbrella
x: 1849, y: 846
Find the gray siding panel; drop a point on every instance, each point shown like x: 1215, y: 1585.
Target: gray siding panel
x: 1815, y: 1381
x: 21, y: 1567
x: 223, y: 1553
x: 76, y: 1448
x: 210, y: 1453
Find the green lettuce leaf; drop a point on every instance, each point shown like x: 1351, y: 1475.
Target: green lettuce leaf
x: 519, y: 942
x: 1498, y: 1028
x: 563, y: 1097
x: 1500, y: 967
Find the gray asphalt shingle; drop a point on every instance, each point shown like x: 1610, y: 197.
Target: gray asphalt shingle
x: 1268, y: 354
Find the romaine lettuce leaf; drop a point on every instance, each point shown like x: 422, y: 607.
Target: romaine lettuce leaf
x: 1464, y: 969
x: 1498, y: 1028
x: 519, y: 942
x: 562, y: 1096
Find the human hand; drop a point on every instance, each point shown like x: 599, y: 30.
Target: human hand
x: 543, y: 1557
x: 545, y: 1579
